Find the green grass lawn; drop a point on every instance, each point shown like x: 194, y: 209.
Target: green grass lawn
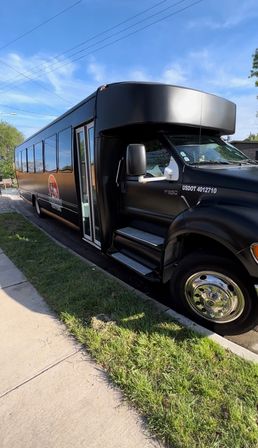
x: 191, y: 392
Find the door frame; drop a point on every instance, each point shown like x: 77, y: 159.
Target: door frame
x: 93, y: 228
x: 89, y: 238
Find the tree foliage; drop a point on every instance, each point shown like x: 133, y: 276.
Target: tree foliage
x: 254, y: 70
x: 10, y: 137
x: 252, y: 138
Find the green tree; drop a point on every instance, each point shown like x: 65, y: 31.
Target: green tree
x: 254, y: 74
x: 252, y: 138
x: 9, y: 138
x: 254, y: 70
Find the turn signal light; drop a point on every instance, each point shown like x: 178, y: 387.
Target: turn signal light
x: 254, y: 250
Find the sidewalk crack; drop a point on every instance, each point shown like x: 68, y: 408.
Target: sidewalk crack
x: 51, y: 366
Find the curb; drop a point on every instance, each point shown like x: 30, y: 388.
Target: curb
x: 186, y: 322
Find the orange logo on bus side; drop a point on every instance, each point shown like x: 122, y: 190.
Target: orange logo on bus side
x: 53, y: 187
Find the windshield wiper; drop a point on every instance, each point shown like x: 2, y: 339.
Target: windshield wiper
x: 246, y: 161
x: 213, y: 162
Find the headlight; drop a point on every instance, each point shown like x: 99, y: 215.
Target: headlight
x: 254, y: 251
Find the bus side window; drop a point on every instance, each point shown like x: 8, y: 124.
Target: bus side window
x: 30, y: 154
x: 17, y: 160
x: 38, y: 151
x: 65, y: 150
x: 24, y: 161
x: 50, y: 153
x: 20, y: 160
x: 157, y: 158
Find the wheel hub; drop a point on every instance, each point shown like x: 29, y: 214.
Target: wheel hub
x: 214, y: 296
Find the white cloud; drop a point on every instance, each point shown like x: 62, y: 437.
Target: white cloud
x: 18, y: 69
x: 57, y: 89
x: 241, y: 82
x: 247, y: 122
x: 245, y: 10
x: 139, y: 75
x: 201, y: 59
x: 98, y: 71
x: 173, y: 74
x: 52, y: 94
x: 227, y: 80
x: 208, y: 71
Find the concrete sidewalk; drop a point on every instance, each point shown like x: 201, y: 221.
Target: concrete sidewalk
x: 7, y: 201
x: 51, y: 394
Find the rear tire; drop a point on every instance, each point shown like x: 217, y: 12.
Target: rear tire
x: 38, y: 208
x: 214, y: 292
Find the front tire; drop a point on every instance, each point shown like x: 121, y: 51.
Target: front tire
x: 214, y: 292
x: 37, y: 208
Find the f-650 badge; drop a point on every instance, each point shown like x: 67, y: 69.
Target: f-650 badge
x: 199, y: 189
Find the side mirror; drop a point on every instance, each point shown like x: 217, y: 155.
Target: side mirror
x: 135, y: 160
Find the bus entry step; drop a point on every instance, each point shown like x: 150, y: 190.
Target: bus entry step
x: 131, y: 263
x: 140, y: 235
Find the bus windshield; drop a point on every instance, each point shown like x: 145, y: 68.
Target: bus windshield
x: 205, y: 150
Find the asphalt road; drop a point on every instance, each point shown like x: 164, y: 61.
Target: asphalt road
x: 71, y: 238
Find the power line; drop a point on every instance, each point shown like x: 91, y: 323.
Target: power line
x: 129, y: 34
x: 125, y: 36
x: 34, y: 80
x: 57, y: 64
x: 27, y: 111
x: 40, y: 25
x: 120, y: 32
x: 97, y: 35
x: 29, y: 32
x: 113, y: 27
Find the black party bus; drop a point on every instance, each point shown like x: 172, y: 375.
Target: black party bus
x: 143, y: 173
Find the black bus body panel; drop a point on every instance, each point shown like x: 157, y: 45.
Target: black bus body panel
x: 36, y: 184
x: 134, y: 103
x: 229, y: 216
x: 122, y: 107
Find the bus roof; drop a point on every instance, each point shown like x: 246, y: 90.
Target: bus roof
x: 131, y: 103
x: 125, y: 103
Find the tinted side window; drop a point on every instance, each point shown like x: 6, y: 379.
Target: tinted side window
x: 38, y: 149
x: 65, y: 150
x: 24, y: 161
x: 157, y: 158
x: 50, y: 153
x: 30, y: 154
x: 20, y: 160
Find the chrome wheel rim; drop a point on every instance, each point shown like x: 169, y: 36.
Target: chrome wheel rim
x: 214, y: 296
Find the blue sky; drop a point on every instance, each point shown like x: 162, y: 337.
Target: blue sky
x: 207, y: 46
